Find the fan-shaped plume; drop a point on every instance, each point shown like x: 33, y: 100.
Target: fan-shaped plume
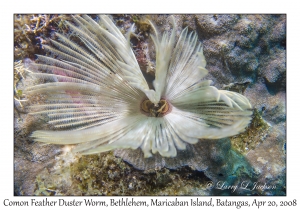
x: 97, y: 97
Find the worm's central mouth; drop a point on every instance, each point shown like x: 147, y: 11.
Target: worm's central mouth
x: 151, y: 110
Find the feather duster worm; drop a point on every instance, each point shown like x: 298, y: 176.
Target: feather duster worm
x: 99, y: 99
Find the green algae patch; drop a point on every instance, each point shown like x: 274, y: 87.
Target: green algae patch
x: 107, y: 175
x: 254, y: 134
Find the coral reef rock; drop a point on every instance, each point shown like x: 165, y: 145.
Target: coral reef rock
x: 244, y: 53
